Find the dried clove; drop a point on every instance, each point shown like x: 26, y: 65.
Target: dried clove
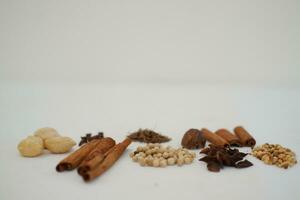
x: 88, y: 137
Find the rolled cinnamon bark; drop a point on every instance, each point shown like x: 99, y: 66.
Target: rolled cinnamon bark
x: 232, y: 139
x: 75, y: 158
x: 96, y: 156
x: 109, y: 160
x: 245, y: 138
x: 214, y: 138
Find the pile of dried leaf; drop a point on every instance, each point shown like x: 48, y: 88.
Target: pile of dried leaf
x: 218, y: 157
x: 148, y: 136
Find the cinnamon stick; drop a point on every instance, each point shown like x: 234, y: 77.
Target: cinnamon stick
x: 232, y: 139
x: 245, y: 137
x: 214, y: 138
x: 96, y: 156
x: 109, y: 160
x: 75, y: 158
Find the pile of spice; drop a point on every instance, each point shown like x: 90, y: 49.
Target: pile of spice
x: 224, y: 138
x: 89, y: 137
x: 217, y: 157
x: 193, y: 139
x: 275, y: 154
x: 148, y: 136
x: 93, y: 158
x: 155, y: 155
x: 45, y: 139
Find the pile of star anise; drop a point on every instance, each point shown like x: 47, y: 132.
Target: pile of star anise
x: 218, y: 157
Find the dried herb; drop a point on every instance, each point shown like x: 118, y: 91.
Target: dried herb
x: 193, y: 139
x: 217, y: 157
x: 88, y: 137
x: 148, y: 136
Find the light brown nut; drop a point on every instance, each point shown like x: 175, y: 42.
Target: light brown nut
x: 46, y: 133
x: 135, y: 158
x: 59, y: 144
x: 31, y: 146
x: 171, y: 161
x: 142, y: 162
x: 188, y: 160
x: 180, y: 161
x: 156, y: 163
x: 163, y: 163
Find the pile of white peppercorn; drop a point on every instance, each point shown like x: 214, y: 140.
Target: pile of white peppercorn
x: 155, y: 155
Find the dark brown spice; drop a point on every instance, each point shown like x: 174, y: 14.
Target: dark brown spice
x: 148, y: 136
x: 88, y: 137
x: 217, y: 157
x: 243, y: 164
x: 193, y: 139
x: 213, y: 166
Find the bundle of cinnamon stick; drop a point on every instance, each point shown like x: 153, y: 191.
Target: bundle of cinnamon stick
x: 224, y: 138
x: 94, y: 158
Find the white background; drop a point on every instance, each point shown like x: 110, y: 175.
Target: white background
x: 116, y: 66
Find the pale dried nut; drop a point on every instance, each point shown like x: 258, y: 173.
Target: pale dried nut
x: 142, y: 162
x: 161, y: 158
x: 142, y: 154
x: 180, y: 161
x: 159, y: 155
x: 165, y: 155
x: 139, y: 148
x: 59, y: 144
x: 162, y: 150
x: 131, y: 154
x: 171, y: 154
x: 32, y: 146
x: 275, y: 159
x: 181, y: 157
x: 171, y: 161
x: 156, y: 148
x: 188, y: 160
x: 163, y: 163
x: 148, y: 152
x: 139, y: 158
x: 149, y: 161
x: 156, y: 163
x: 149, y: 157
x: 138, y: 154
x: 135, y: 158
x: 46, y: 133
x: 281, y: 156
x: 266, y: 159
x: 285, y: 165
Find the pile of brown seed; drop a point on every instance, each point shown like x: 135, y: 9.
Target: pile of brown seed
x: 148, y: 136
x: 275, y: 154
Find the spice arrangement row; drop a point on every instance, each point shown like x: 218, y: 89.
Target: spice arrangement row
x: 97, y: 153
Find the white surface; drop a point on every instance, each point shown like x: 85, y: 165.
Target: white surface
x: 270, y: 114
x: 81, y: 66
x: 166, y: 41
